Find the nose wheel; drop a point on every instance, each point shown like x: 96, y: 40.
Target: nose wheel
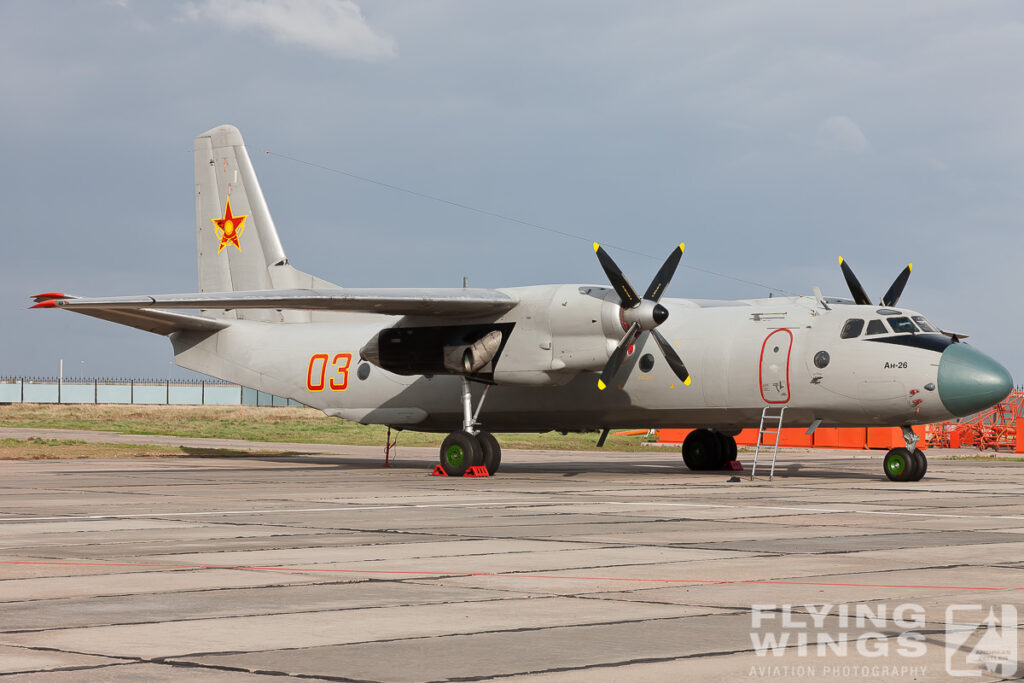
x: 470, y: 446
x: 906, y: 464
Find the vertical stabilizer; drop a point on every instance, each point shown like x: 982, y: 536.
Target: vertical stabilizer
x: 238, y: 244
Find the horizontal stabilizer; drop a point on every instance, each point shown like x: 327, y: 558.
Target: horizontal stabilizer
x: 461, y: 302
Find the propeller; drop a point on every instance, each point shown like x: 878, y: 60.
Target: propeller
x: 860, y: 296
x: 892, y: 295
x: 641, y: 314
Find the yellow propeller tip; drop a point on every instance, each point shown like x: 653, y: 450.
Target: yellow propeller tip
x: 910, y: 266
x: 687, y: 381
x: 840, y: 260
x: 601, y: 385
x: 596, y: 246
x: 682, y: 246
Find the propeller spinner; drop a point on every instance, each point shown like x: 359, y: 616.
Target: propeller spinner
x: 641, y: 314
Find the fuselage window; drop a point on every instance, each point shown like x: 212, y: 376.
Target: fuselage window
x: 646, y: 362
x: 902, y: 325
x: 876, y: 327
x: 852, y: 328
x: 924, y: 324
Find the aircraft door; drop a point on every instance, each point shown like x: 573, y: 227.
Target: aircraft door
x: 774, y: 371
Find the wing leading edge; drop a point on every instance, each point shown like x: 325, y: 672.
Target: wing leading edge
x: 148, y: 320
x: 455, y: 303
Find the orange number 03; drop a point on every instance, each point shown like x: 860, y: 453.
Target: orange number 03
x: 316, y: 372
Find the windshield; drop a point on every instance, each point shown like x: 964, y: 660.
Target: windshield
x: 876, y: 327
x: 924, y: 324
x: 902, y: 325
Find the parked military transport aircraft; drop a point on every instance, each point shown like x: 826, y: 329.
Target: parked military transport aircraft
x: 551, y: 357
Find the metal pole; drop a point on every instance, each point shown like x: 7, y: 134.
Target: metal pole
x: 202, y: 394
x: 60, y: 379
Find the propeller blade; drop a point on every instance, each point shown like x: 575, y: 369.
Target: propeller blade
x: 664, y: 276
x: 859, y: 295
x: 896, y: 289
x: 613, y: 364
x: 672, y: 357
x: 627, y: 295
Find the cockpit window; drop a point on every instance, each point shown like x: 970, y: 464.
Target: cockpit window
x: 876, y: 327
x: 852, y: 328
x: 902, y: 325
x: 924, y: 324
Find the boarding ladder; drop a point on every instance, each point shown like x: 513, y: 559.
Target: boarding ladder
x: 769, y: 418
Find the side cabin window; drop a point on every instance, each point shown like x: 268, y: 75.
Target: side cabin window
x: 876, y: 327
x: 902, y: 325
x: 852, y: 328
x: 924, y: 324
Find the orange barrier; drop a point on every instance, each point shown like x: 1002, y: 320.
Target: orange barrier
x: 675, y: 435
x: 824, y: 437
x: 790, y: 438
x: 999, y: 427
x: 748, y: 437
x: 853, y: 437
x: 892, y: 437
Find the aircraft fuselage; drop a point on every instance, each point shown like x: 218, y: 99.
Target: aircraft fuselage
x: 742, y: 356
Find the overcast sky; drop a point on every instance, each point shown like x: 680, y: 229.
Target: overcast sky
x: 771, y: 137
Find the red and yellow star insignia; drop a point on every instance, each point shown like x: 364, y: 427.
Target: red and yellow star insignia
x: 229, y: 227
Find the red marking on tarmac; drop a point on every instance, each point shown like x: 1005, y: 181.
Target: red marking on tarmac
x: 318, y: 570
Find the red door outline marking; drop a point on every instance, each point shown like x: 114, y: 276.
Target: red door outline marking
x: 760, y: 366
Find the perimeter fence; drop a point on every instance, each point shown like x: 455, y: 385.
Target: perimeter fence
x: 134, y: 391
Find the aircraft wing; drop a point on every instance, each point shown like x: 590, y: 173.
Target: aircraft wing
x: 456, y: 303
x: 148, y: 320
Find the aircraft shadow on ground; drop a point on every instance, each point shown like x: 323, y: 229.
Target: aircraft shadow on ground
x: 569, y: 467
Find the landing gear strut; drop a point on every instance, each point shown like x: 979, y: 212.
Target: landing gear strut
x: 471, y: 446
x: 906, y: 464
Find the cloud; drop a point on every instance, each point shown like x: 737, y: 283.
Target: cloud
x: 840, y: 134
x: 334, y: 27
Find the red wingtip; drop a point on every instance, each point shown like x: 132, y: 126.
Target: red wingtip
x: 50, y: 295
x: 51, y: 303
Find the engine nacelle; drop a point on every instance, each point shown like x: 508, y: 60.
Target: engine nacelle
x: 585, y: 327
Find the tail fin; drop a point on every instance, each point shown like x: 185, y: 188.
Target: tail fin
x: 238, y: 245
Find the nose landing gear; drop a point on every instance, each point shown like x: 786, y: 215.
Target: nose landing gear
x: 906, y: 464
x: 470, y: 446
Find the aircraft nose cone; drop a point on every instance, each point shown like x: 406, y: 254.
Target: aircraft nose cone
x: 970, y: 381
x: 660, y: 314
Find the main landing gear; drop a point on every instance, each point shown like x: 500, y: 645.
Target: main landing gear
x: 906, y: 464
x: 471, y: 446
x: 706, y: 449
